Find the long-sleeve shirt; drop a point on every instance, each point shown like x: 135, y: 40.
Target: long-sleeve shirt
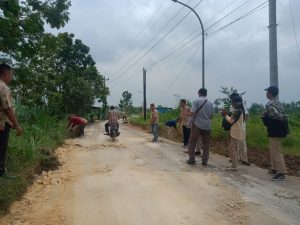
x: 238, y: 129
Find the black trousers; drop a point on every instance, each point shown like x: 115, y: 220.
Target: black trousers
x: 186, y: 135
x: 4, y: 136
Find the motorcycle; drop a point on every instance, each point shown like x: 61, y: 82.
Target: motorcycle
x: 113, y: 131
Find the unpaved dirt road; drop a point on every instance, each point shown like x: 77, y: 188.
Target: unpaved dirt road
x: 135, y: 182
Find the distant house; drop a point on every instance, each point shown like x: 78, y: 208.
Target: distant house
x: 163, y: 109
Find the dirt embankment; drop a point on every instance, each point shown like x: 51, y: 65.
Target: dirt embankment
x: 256, y: 156
x: 133, y: 181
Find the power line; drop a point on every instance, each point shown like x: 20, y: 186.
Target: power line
x: 293, y: 22
x: 256, y: 9
x: 184, y: 42
x: 142, y: 31
x: 121, y: 74
x: 230, y: 13
x: 171, y: 55
x: 147, y: 43
x: 213, y: 17
x: 172, y: 51
x: 179, y: 74
x: 178, y: 52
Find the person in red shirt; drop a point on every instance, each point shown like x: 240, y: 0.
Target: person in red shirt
x: 76, y: 125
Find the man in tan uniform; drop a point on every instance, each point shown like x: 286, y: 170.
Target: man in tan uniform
x: 7, y: 114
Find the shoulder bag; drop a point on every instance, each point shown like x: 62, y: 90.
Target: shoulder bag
x: 192, y: 118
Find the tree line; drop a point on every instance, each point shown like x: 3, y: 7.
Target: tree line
x: 54, y: 72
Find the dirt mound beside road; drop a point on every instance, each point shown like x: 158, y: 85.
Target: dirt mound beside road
x: 256, y: 156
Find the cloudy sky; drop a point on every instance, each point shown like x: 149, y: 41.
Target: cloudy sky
x: 126, y: 35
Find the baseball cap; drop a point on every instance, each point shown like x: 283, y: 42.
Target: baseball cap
x: 273, y: 90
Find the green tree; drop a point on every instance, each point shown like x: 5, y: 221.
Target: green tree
x: 61, y: 76
x: 226, y: 100
x: 256, y: 109
x: 126, y: 103
x: 22, y: 24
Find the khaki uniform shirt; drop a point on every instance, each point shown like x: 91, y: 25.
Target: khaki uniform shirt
x: 154, y: 117
x: 238, y: 129
x: 6, y: 102
x: 184, y: 118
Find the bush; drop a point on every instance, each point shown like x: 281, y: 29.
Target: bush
x: 256, y: 132
x: 28, y: 153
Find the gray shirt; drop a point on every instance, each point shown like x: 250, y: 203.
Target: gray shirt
x: 203, y: 117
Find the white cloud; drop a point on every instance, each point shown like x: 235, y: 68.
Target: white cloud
x: 237, y: 56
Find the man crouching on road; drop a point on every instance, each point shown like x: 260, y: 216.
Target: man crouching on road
x: 76, y: 125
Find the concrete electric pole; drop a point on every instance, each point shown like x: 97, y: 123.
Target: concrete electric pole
x: 144, y: 92
x: 273, y: 44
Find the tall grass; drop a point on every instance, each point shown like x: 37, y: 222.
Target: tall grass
x: 256, y: 132
x: 42, y: 134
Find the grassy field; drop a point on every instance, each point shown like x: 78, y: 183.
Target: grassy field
x: 256, y: 131
x: 28, y: 153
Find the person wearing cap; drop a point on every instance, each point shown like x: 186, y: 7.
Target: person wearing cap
x: 272, y: 118
x: 242, y: 150
x: 237, y: 131
x: 8, y: 117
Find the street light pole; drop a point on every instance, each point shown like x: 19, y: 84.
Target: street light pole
x: 203, y: 82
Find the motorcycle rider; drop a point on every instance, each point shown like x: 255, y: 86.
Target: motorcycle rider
x: 112, y: 117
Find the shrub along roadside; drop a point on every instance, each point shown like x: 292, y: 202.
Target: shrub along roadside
x: 256, y: 131
x: 30, y: 153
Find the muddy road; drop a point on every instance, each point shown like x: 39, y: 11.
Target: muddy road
x: 135, y: 182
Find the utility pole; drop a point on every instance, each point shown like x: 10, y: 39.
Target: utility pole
x: 144, y: 92
x: 104, y: 105
x: 273, y: 44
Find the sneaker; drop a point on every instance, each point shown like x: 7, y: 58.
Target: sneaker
x: 204, y: 163
x: 272, y: 172
x: 245, y: 163
x: 230, y: 168
x: 279, y: 177
x: 190, y: 162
